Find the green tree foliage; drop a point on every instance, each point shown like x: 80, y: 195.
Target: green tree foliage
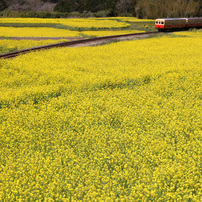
x: 138, y: 8
x: 65, y: 6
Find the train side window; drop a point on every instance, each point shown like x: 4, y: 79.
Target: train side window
x: 156, y: 22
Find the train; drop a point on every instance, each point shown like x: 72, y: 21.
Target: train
x: 172, y: 24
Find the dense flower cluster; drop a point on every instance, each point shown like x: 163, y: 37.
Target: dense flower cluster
x: 195, y: 32
x: 13, y: 45
x: 52, y: 32
x: 36, y: 32
x: 118, y: 122
x: 70, y: 22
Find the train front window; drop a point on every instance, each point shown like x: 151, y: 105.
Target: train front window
x: 162, y: 23
x: 157, y: 22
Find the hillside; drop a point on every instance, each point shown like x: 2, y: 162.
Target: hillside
x: 142, y: 9
x: 27, y: 5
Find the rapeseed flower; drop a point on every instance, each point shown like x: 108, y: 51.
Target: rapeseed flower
x: 118, y: 122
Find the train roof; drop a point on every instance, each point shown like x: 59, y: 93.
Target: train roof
x: 196, y: 18
x: 171, y: 18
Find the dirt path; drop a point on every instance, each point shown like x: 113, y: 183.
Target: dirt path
x: 82, y: 42
x: 104, y: 41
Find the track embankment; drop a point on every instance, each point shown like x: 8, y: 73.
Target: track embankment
x: 81, y: 42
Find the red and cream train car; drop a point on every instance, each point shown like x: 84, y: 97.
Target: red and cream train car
x: 165, y: 24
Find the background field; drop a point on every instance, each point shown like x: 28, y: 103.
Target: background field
x: 81, y: 24
x: 71, y: 29
x: 115, y: 122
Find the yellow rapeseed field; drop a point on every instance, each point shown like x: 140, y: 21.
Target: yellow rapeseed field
x: 93, y: 23
x: 36, y: 32
x: 8, y: 45
x: 118, y: 122
x: 69, y: 22
x: 52, y: 32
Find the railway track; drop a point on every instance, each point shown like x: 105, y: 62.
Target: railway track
x: 81, y: 42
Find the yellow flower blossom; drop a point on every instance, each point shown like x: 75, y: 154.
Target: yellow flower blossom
x: 117, y: 122
x: 95, y: 23
x: 8, y: 45
x: 36, y: 32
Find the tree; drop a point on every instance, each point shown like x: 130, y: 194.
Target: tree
x: 64, y: 6
x: 2, y: 5
x: 111, y: 6
x: 123, y: 6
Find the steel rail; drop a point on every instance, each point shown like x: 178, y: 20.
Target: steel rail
x: 73, y: 43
